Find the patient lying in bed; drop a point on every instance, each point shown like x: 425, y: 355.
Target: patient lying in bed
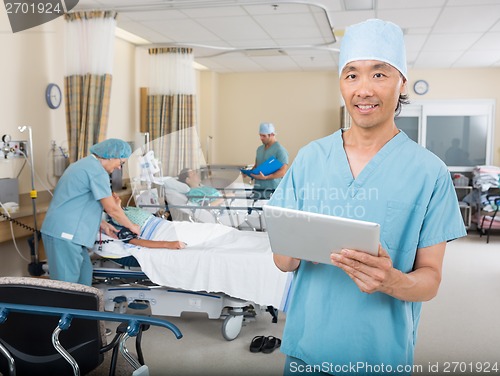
x: 216, y: 258
x: 160, y: 233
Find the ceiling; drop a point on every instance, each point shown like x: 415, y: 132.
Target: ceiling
x: 256, y: 35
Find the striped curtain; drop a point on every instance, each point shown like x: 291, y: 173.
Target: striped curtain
x: 87, y: 83
x: 171, y: 115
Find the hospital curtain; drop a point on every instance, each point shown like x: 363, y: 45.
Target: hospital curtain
x: 89, y: 50
x: 171, y: 115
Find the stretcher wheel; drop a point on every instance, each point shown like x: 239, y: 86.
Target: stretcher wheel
x: 232, y: 327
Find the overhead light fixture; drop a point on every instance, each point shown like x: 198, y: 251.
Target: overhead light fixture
x: 198, y: 66
x: 358, y: 5
x: 129, y: 37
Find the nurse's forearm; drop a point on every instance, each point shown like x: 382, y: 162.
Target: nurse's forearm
x: 423, y: 282
x: 116, y: 212
x: 286, y: 263
x: 120, y: 217
x: 418, y: 286
x: 278, y: 174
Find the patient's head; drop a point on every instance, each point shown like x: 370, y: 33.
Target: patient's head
x: 189, y: 177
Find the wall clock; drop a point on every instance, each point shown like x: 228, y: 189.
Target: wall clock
x: 421, y: 87
x: 53, y: 96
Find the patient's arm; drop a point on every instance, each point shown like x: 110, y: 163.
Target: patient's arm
x: 158, y: 243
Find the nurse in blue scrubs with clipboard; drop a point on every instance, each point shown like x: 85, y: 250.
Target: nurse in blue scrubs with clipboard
x: 271, y: 152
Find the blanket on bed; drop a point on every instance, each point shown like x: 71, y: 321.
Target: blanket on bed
x: 217, y: 259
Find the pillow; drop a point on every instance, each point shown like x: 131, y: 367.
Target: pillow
x: 175, y: 185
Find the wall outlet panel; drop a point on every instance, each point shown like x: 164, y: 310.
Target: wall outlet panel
x: 18, y: 147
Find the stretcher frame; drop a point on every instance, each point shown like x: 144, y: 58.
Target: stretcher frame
x: 188, y: 212
x: 122, y: 287
x: 216, y: 212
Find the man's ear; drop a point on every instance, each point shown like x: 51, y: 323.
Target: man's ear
x: 404, y: 87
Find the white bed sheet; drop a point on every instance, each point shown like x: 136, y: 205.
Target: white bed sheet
x: 217, y: 259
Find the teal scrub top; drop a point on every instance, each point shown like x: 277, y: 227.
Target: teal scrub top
x: 75, y: 211
x: 409, y: 192
x: 275, y: 150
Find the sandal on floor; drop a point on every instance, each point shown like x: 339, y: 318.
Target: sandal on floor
x: 257, y: 343
x: 271, y: 344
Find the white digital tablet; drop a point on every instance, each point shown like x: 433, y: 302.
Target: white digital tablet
x: 313, y: 236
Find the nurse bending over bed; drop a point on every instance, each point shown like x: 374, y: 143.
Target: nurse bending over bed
x: 74, y: 215
x: 207, y: 257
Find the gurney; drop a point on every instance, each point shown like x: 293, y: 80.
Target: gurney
x: 223, y: 272
x: 154, y: 191
x: 239, y: 209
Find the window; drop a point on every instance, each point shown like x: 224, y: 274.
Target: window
x: 458, y: 132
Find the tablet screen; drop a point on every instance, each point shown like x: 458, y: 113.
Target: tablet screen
x: 313, y: 236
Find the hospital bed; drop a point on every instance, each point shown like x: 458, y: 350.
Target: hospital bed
x: 224, y: 272
x: 154, y: 191
x: 238, y: 210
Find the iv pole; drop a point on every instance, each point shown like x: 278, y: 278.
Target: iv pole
x: 34, y: 268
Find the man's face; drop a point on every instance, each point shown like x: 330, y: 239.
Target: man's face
x: 266, y: 138
x: 371, y: 90
x: 193, y: 179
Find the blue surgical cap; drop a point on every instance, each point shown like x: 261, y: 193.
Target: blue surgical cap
x: 266, y: 128
x: 111, y: 148
x: 374, y: 39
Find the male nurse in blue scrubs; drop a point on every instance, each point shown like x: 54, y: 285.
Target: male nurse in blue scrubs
x: 266, y: 184
x: 74, y: 216
x: 360, y: 314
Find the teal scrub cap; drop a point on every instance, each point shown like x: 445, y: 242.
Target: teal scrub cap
x: 266, y: 128
x: 111, y: 148
x: 374, y: 39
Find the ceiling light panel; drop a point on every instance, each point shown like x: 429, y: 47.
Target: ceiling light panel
x: 358, y: 5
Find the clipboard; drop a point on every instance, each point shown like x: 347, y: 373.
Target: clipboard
x: 268, y: 167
